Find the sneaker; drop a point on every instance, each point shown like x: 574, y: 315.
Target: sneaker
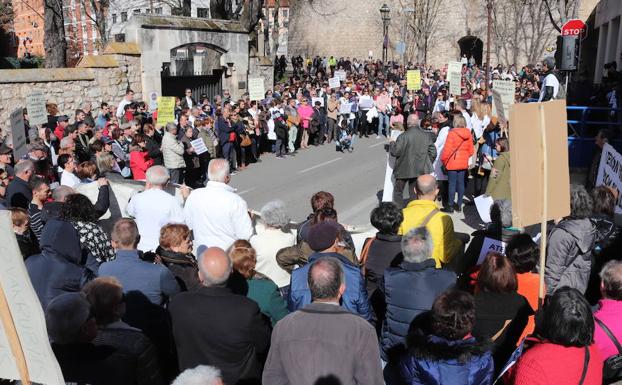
x: 377, y: 136
x: 448, y: 210
x: 232, y: 173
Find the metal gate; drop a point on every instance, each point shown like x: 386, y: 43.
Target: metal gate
x: 175, y: 85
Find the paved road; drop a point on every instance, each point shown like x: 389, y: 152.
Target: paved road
x: 355, y: 179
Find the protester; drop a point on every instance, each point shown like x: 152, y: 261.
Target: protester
x: 216, y: 327
x: 201, y: 375
x: 172, y: 152
x: 18, y: 192
x: 256, y: 286
x: 175, y: 252
x: 26, y: 239
x: 153, y: 281
x: 215, y: 213
x: 154, y: 207
x: 499, y: 183
x: 607, y: 316
x: 335, y: 333
x: 443, y: 347
x: 139, y: 157
x: 457, y: 150
x: 40, y: 194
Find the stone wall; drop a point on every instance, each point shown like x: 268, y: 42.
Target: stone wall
x: 70, y: 87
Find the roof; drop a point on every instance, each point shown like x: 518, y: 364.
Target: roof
x: 98, y: 61
x: 282, y: 4
x: 189, y: 23
x: 122, y: 48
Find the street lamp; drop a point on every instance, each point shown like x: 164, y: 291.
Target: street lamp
x: 384, y: 14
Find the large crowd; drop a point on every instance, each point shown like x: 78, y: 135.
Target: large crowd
x: 193, y: 288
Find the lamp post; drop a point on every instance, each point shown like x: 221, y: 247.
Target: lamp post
x: 488, y: 33
x: 384, y: 14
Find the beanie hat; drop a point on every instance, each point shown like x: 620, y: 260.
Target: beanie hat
x: 322, y: 235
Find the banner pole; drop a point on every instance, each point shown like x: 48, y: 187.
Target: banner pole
x: 13, y: 338
x: 545, y: 190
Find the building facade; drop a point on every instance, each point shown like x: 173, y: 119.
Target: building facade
x: 28, y: 27
x: 277, y: 40
x: 607, y: 26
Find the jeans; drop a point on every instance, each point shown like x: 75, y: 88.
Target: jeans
x: 383, y: 121
x: 398, y: 190
x: 331, y: 129
x: 279, y: 147
x: 177, y: 175
x: 456, y: 184
x: 293, y: 134
x: 228, y: 152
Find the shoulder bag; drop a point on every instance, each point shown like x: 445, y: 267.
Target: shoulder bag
x: 612, y: 368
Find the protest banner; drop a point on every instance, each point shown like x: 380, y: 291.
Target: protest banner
x: 540, y: 176
x: 490, y: 245
x: 166, y: 110
x: 341, y: 74
x: 199, y: 146
x: 454, y: 77
x: 153, y: 101
x: 502, y: 103
x: 24, y: 343
x: 345, y: 108
x: 321, y: 100
x: 35, y: 104
x: 256, y: 89
x: 366, y: 102
x: 610, y: 174
x: 389, y: 180
x: 334, y: 82
x: 413, y: 80
x: 18, y: 134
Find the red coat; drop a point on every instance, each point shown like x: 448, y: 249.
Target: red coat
x: 551, y: 364
x: 139, y: 163
x: 458, y: 149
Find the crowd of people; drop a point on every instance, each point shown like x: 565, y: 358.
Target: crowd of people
x: 197, y: 290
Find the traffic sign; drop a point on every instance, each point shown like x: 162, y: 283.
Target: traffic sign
x: 573, y: 27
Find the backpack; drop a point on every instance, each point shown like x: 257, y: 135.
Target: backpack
x: 612, y: 368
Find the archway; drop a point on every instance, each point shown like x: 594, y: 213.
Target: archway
x: 472, y: 46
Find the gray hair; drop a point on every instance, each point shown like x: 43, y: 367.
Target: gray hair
x: 412, y: 121
x: 417, y: 245
x: 611, y: 278
x: 208, y: 278
x: 24, y: 166
x: 201, y: 375
x: 218, y: 170
x: 104, y: 162
x: 170, y: 127
x: 66, y: 142
x: 501, y: 210
x: 157, y: 175
x: 581, y: 204
x: 274, y: 214
x: 61, y: 193
x: 325, y: 277
x: 549, y: 62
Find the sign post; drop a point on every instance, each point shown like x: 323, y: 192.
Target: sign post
x: 573, y: 27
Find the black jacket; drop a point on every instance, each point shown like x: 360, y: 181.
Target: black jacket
x: 153, y: 149
x: 213, y: 326
x: 414, y: 153
x: 18, y: 193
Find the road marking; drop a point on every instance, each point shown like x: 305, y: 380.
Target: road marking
x: 378, y: 144
x: 246, y: 191
x: 318, y: 165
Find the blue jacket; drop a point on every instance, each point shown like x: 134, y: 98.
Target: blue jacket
x: 155, y: 281
x: 354, y: 299
x: 433, y: 360
x: 410, y: 289
x: 60, y: 268
x: 223, y: 128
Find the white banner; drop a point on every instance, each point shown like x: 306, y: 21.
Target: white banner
x: 488, y: 246
x: 454, y: 77
x: 506, y: 89
x: 341, y: 74
x: 256, y: 89
x: 35, y: 104
x: 610, y: 173
x: 334, y: 82
x: 389, y: 180
x: 321, y: 100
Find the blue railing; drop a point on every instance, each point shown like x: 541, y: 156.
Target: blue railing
x: 584, y: 123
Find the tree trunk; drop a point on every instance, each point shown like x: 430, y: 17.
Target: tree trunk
x: 54, y: 35
x: 276, y: 26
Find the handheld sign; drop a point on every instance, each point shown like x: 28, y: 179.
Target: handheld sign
x: 454, y: 76
x: 166, y: 109
x: 413, y: 80
x: 334, y: 82
x: 256, y: 89
x: 35, y: 104
x: 18, y: 134
x: 341, y: 74
x: 610, y: 173
x: 505, y: 97
x: 199, y: 146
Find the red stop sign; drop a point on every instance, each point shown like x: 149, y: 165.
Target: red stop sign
x: 573, y: 27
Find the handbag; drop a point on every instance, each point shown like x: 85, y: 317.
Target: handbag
x: 246, y: 141
x: 232, y: 136
x: 612, y: 368
x: 444, y: 166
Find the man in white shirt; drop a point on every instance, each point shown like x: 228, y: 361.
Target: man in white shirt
x: 550, y: 84
x: 129, y: 96
x: 67, y: 164
x: 216, y: 214
x: 461, y: 105
x: 154, y: 208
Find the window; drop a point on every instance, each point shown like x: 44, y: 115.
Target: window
x: 286, y: 13
x: 203, y: 13
x: 147, y: 10
x: 123, y: 17
x: 114, y: 18
x: 137, y: 12
x: 158, y: 11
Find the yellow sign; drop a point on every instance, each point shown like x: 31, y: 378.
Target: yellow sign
x: 413, y: 80
x: 166, y: 109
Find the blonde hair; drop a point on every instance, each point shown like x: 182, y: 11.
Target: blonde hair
x: 459, y: 121
x: 480, y: 108
x: 244, y: 257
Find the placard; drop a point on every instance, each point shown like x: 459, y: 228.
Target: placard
x: 313, y: 100
x: 366, y: 102
x: 341, y: 74
x: 610, y: 173
x: 506, y: 90
x: 166, y: 110
x: 454, y: 77
x: 488, y: 246
x: 389, y: 178
x: 26, y: 313
x: 413, y: 80
x: 18, y: 134
x: 483, y: 203
x: 334, y: 82
x: 527, y: 120
x: 35, y: 104
x: 199, y: 146
x: 497, y: 100
x: 345, y: 108
x: 256, y: 89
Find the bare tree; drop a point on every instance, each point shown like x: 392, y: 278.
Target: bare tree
x: 54, y: 34
x: 423, y: 25
x: 561, y: 10
x: 276, y: 25
x: 96, y: 11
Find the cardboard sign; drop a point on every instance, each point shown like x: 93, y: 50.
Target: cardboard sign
x: 256, y: 89
x: 610, y: 173
x: 366, y: 102
x: 334, y: 82
x: 488, y: 246
x: 341, y: 74
x: 18, y: 135
x: 527, y: 120
x: 35, y: 104
x: 321, y: 100
x: 199, y: 146
x: 505, y: 98
x: 25, y: 313
x: 413, y: 80
x: 454, y: 77
x: 345, y: 108
x: 166, y: 110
